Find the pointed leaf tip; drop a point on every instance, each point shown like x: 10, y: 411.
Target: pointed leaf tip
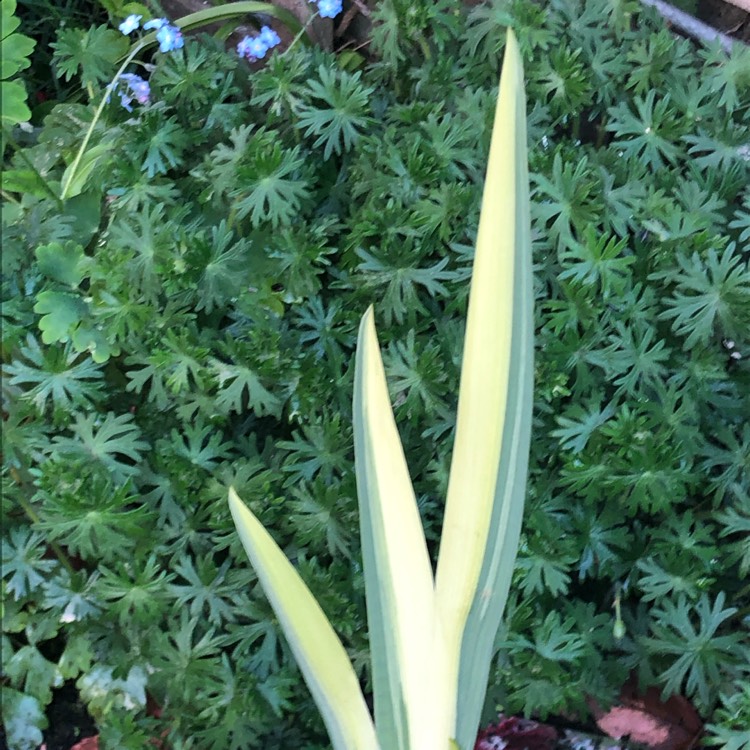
x: 321, y: 656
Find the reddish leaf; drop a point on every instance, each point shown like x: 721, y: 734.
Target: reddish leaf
x: 88, y: 743
x: 152, y: 707
x: 643, y: 717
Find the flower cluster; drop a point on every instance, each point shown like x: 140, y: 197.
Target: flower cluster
x: 255, y: 47
x: 329, y: 8
x: 137, y: 88
x: 168, y: 35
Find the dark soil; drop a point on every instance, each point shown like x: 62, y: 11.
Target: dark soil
x: 726, y: 18
x: 69, y: 721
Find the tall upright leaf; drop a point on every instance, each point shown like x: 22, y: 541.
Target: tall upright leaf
x: 487, y: 483
x: 405, y: 635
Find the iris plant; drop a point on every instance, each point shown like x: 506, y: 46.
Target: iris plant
x: 432, y: 635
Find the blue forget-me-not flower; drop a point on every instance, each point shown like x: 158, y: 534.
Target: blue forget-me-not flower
x: 130, y: 24
x: 138, y: 89
x: 170, y: 38
x: 329, y: 8
x: 255, y: 47
x: 243, y: 48
x: 269, y: 36
x: 138, y: 86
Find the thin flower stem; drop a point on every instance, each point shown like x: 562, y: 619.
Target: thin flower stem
x: 97, y: 115
x: 301, y: 32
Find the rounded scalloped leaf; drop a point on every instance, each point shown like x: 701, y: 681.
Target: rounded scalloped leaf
x: 23, y: 720
x: 16, y: 49
x: 61, y: 314
x: 14, y: 107
x: 86, y: 338
x: 14, y: 53
x: 8, y: 20
x: 62, y: 262
x: 138, y: 9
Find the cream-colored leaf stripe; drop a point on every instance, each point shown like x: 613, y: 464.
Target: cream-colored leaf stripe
x: 494, y: 583
x: 316, y: 647
x: 431, y: 639
x: 485, y: 375
x: 397, y: 563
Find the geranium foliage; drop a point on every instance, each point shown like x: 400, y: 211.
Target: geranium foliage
x: 187, y: 322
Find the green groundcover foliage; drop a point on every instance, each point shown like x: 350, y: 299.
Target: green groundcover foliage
x: 187, y: 320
